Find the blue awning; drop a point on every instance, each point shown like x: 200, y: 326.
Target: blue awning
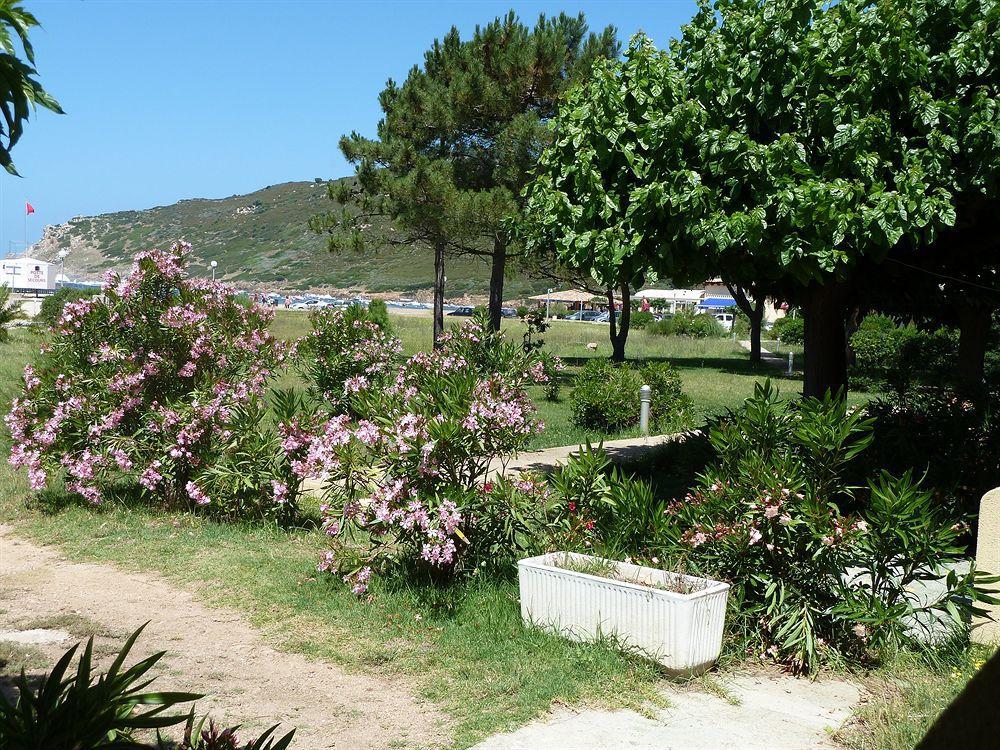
x: 717, y: 302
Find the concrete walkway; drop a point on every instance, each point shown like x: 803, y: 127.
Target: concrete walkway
x: 619, y: 451
x: 771, y: 358
x: 765, y: 712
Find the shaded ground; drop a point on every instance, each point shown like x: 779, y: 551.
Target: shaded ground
x: 209, y: 650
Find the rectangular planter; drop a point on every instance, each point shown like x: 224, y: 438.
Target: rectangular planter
x: 682, y: 631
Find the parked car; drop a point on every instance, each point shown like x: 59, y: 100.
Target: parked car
x: 585, y: 315
x: 726, y: 320
x: 508, y: 312
x: 463, y: 311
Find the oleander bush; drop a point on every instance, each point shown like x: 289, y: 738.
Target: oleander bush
x: 605, y: 396
x: 346, y: 350
x: 157, y: 385
x: 80, y: 710
x: 944, y: 436
x: 406, y: 465
x: 52, y: 306
x: 776, y: 517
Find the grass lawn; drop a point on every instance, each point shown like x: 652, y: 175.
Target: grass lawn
x: 462, y: 647
x: 716, y: 373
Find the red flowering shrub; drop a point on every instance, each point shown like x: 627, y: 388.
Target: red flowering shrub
x: 156, y: 382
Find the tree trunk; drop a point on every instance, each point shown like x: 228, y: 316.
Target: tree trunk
x: 974, y: 331
x: 496, y: 282
x: 756, y: 325
x: 438, y: 293
x: 619, y: 334
x: 825, y: 342
x: 755, y: 314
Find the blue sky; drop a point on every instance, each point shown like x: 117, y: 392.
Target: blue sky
x: 185, y: 99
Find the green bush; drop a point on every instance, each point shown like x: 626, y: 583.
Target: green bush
x: 689, y: 323
x: 769, y: 517
x: 887, y: 354
x: 641, y: 319
x: 9, y: 312
x: 605, y: 396
x: 378, y: 314
x: 52, y: 306
x: 789, y: 330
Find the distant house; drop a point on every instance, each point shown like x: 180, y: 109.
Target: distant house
x: 26, y: 274
x: 672, y: 299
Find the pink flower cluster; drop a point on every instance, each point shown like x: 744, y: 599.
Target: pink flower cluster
x: 414, y: 448
x: 142, y: 382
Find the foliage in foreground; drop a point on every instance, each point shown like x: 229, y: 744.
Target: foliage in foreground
x: 157, y: 386
x: 81, y: 711
x: 811, y: 582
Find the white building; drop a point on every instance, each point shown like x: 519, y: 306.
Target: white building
x: 672, y: 298
x: 28, y: 274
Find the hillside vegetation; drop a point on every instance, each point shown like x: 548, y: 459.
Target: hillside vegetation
x: 261, y: 237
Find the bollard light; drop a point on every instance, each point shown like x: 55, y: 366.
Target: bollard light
x: 791, y: 362
x: 645, y: 395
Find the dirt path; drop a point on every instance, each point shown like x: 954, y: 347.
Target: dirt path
x: 210, y: 651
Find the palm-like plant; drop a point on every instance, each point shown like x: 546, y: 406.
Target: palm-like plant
x: 19, y: 91
x: 80, y: 712
x: 9, y: 311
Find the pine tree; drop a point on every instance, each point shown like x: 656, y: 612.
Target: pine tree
x: 459, y: 140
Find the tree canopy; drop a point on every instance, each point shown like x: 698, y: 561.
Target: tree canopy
x: 460, y: 137
x: 793, y: 142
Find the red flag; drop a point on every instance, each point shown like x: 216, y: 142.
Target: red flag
x: 28, y: 209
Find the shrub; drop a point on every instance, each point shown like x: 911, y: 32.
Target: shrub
x: 767, y: 517
x: 789, y: 330
x: 595, y: 506
x: 378, y: 313
x: 152, y: 385
x: 942, y: 435
x: 605, y: 396
x: 888, y: 355
x: 406, y: 482
x: 76, y: 711
x: 688, y: 323
x: 52, y: 306
x: 346, y: 350
x: 641, y: 320
x: 9, y: 312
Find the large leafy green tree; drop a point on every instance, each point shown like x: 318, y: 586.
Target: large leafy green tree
x: 581, y: 203
x: 800, y: 144
x: 20, y: 92
x: 474, y: 117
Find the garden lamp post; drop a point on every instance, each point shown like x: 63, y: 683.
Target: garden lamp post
x: 214, y: 264
x: 548, y: 301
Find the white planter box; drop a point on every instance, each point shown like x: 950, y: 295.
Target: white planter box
x: 683, y: 632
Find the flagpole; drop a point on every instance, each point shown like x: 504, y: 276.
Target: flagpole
x: 25, y: 229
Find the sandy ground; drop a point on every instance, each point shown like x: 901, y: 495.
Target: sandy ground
x: 212, y: 651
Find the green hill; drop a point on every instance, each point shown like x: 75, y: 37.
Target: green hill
x: 262, y: 238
